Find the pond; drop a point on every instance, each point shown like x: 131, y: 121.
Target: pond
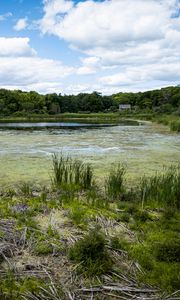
x: 26, y: 149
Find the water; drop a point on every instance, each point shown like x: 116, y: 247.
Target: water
x: 44, y: 125
x: 26, y: 154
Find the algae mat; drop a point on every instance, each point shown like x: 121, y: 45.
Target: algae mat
x: 26, y: 154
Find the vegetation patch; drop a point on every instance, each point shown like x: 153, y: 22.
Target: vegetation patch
x: 91, y: 255
x: 95, y: 236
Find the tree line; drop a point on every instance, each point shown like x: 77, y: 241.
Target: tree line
x: 19, y: 103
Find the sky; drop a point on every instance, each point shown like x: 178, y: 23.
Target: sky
x: 69, y: 47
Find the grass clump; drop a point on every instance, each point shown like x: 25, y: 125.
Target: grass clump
x: 25, y: 188
x: 119, y: 243
x: 68, y: 171
x: 12, y: 288
x: 168, y: 250
x: 114, y: 184
x: 91, y: 254
x: 143, y: 255
x: 162, y: 189
x: 43, y: 248
x: 164, y: 275
x: 78, y: 215
x: 142, y: 216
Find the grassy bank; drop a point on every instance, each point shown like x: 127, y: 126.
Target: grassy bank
x: 171, y: 120
x: 77, y: 240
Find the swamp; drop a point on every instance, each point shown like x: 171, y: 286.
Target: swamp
x: 89, y: 211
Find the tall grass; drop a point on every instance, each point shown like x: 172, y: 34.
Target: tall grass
x: 114, y: 183
x: 67, y: 170
x: 162, y: 189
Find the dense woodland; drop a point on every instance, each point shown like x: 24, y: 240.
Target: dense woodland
x: 19, y: 103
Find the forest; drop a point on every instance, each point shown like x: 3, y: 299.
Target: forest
x: 21, y: 103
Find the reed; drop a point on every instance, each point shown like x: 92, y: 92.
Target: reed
x: 163, y: 189
x: 114, y: 183
x: 69, y: 171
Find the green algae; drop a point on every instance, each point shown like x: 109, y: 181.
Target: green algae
x: 26, y: 155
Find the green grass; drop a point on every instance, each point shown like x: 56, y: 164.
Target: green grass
x: 140, y: 223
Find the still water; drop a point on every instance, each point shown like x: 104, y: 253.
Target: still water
x: 26, y: 150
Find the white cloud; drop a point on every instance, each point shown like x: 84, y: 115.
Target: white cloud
x: 15, y: 47
x: 21, y: 24
x: 133, y: 75
x: 89, y: 65
x: 91, y: 25
x: 52, y: 9
x: 5, y: 16
x: 20, y: 67
x: 139, y: 39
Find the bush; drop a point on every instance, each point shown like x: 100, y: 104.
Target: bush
x: 91, y: 254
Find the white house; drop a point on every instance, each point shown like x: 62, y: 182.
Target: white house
x: 124, y: 107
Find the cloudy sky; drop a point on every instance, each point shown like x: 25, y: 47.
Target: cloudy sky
x: 80, y: 46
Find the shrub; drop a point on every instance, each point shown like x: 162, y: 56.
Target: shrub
x: 91, y: 254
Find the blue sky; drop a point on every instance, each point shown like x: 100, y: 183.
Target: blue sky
x: 67, y: 46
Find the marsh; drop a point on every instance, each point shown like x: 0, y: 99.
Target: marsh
x: 26, y: 150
